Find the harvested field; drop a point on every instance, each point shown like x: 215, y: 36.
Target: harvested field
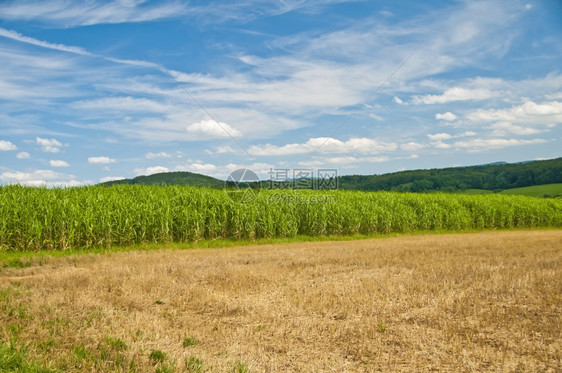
x: 454, y: 302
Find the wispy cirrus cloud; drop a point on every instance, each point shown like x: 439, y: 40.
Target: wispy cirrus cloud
x: 60, y: 13
x: 10, y: 34
x: 279, y: 94
x: 14, y: 35
x: 290, y: 89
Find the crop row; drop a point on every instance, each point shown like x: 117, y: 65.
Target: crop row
x: 87, y: 217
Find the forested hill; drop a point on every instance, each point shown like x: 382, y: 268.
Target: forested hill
x: 172, y: 178
x: 490, y: 177
x: 494, y: 177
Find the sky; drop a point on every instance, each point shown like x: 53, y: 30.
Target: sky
x: 92, y: 91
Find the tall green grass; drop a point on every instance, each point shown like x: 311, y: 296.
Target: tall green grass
x: 92, y: 217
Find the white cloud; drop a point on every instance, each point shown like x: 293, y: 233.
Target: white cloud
x: 7, y: 145
x: 49, y: 145
x: 455, y: 94
x: 354, y: 160
x: 65, y: 184
x: 210, y: 128
x: 150, y: 155
x: 259, y: 168
x: 199, y: 167
x: 222, y: 171
x: 529, y: 112
x: 347, y: 161
x: 111, y: 178
x: 448, y: 116
x: 39, y: 178
x: 412, y: 146
x: 342, y: 160
x: 440, y: 145
x: 101, y: 160
x: 293, y: 81
x: 289, y: 89
x: 529, y: 118
x: 398, y: 100
x: 23, y: 155
x: 17, y: 176
x: 506, y: 128
x: 439, y: 136
x: 554, y: 96
x: 311, y: 163
x: 58, y: 163
x: 325, y: 145
x: 224, y: 149
x: 271, y: 95
x: 494, y: 143
x: 151, y: 170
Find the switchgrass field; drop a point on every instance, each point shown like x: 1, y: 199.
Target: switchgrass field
x: 486, y: 301
x: 35, y: 219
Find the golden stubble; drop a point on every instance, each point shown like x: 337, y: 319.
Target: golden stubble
x: 454, y: 302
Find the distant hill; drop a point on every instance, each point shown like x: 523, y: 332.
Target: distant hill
x: 172, y: 178
x: 495, y: 177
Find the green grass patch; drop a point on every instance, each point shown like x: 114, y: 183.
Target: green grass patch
x: 188, y: 342
x: 548, y: 190
x: 193, y: 365
x: 14, y: 358
x: 240, y: 367
x: 44, y: 257
x: 157, y: 356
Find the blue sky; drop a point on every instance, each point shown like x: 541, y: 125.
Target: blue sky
x: 83, y: 97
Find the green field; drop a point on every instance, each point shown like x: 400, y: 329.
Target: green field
x: 35, y: 219
x: 548, y: 190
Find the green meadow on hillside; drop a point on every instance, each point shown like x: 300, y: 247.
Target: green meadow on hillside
x: 548, y: 190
